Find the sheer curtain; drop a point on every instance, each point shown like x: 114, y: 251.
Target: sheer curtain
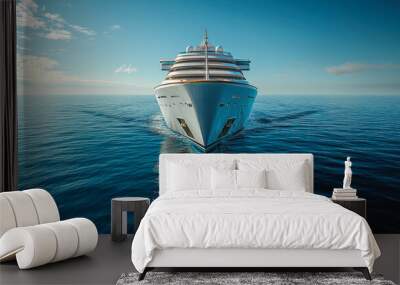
x: 8, y: 99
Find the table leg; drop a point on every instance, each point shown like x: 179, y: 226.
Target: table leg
x: 139, y: 214
x: 124, y: 224
x: 116, y: 222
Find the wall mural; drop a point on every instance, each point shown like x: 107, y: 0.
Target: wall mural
x: 91, y: 124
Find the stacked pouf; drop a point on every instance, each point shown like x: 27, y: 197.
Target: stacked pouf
x: 31, y: 230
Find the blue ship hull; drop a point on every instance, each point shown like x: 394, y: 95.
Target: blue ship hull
x: 206, y: 111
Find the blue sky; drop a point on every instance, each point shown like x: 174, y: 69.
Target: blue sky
x: 296, y: 47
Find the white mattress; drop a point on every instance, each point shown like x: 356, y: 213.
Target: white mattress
x: 253, y: 219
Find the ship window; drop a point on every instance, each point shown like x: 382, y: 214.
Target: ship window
x: 226, y: 127
x: 222, y: 105
x: 185, y: 127
x: 190, y: 105
x: 203, y: 60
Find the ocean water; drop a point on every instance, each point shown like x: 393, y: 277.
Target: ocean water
x: 87, y: 149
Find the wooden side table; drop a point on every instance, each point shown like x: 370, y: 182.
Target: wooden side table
x: 358, y: 206
x: 119, y: 208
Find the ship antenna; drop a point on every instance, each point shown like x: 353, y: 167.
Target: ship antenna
x: 206, y: 47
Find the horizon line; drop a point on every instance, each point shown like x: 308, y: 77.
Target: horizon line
x: 274, y: 94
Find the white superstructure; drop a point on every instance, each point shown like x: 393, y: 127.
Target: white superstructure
x: 205, y: 96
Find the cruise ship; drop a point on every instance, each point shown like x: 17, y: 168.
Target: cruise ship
x: 205, y: 96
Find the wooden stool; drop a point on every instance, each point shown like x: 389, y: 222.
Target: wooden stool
x: 119, y: 208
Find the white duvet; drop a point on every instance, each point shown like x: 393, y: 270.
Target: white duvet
x: 250, y: 219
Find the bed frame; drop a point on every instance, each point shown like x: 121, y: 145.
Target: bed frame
x: 246, y: 259
x: 249, y: 259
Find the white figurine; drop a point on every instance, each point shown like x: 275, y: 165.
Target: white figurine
x: 347, y: 174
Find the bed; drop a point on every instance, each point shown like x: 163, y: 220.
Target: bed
x: 245, y: 211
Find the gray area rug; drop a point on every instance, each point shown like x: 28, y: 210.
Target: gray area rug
x: 269, y: 278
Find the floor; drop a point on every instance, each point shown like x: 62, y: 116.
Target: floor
x: 389, y: 262
x: 111, y: 259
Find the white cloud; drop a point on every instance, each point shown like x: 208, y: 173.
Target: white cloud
x: 37, y: 68
x: 352, y: 67
x: 21, y: 36
x: 43, y: 75
x: 41, y: 69
x: 50, y: 25
x: 115, y: 27
x: 60, y: 22
x: 54, y: 17
x: 21, y: 48
x: 26, y: 15
x: 126, y: 68
x: 58, y: 35
x: 83, y: 30
x: 112, y: 28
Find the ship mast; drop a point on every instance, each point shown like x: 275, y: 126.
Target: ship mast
x: 206, y: 47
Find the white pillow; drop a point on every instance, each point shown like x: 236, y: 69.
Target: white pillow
x: 182, y: 177
x: 251, y: 178
x: 223, y: 179
x: 227, y: 179
x: 292, y: 179
x: 281, y: 174
x: 193, y: 174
